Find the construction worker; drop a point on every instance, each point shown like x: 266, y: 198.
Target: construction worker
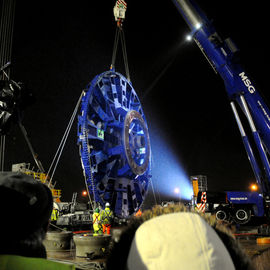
x: 55, y: 214
x: 138, y: 213
x: 106, y: 219
x: 97, y: 223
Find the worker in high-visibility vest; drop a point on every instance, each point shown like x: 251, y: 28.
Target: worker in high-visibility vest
x: 138, y: 213
x: 97, y: 223
x: 106, y: 219
x: 54, y: 215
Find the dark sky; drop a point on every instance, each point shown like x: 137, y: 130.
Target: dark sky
x: 59, y: 46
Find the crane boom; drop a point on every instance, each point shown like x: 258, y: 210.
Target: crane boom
x: 221, y: 54
x: 242, y: 93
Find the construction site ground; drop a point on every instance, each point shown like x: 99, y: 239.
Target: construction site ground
x: 247, y: 236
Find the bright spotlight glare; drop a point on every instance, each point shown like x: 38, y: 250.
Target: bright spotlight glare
x: 198, y: 26
x: 188, y: 37
x: 176, y: 190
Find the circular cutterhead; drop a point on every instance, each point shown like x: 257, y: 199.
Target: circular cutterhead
x: 114, y: 144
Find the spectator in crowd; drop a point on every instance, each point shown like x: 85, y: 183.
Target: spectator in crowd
x: 26, y: 207
x: 172, y: 238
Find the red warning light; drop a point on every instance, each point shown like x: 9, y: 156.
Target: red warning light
x: 84, y: 193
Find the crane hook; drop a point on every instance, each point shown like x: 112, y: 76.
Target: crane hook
x: 119, y: 11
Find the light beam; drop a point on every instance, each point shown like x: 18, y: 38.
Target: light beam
x: 167, y: 172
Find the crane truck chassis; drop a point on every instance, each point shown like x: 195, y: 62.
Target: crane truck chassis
x: 236, y: 206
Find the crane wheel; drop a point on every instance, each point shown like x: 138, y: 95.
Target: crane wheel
x: 221, y: 215
x: 242, y: 215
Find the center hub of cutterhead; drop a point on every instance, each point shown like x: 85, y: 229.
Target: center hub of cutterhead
x: 136, y: 142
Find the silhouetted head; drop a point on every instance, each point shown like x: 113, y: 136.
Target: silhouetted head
x: 25, y: 206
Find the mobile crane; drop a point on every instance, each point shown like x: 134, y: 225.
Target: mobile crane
x: 243, y: 94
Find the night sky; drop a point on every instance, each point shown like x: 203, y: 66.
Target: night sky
x: 59, y: 46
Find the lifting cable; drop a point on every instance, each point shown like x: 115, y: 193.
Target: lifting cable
x: 63, y: 141
x: 2, y: 153
x: 119, y: 14
x: 152, y: 185
x: 153, y: 190
x: 6, y: 35
x: 85, y: 133
x: 115, y: 45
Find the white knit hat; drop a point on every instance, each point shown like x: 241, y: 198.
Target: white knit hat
x: 178, y: 241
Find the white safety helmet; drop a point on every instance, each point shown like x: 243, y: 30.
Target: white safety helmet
x: 107, y: 204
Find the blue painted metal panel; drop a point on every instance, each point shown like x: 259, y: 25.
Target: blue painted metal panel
x: 252, y: 198
x: 114, y: 143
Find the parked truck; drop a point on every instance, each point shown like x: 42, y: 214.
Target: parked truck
x: 237, y: 206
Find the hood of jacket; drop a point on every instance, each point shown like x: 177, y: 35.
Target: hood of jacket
x: 178, y: 241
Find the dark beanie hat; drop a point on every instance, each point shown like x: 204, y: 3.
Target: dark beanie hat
x: 25, y: 204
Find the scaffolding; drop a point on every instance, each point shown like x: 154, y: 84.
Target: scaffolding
x: 39, y: 176
x: 199, y: 183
